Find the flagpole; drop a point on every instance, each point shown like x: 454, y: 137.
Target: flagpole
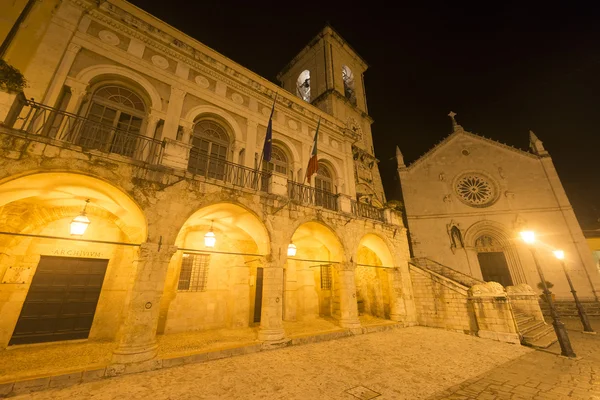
x: 262, y: 153
x: 311, y: 150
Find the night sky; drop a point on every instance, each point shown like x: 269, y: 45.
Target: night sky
x: 505, y: 68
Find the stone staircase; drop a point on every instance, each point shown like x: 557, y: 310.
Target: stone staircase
x: 534, y: 333
x: 568, y: 308
x: 447, y: 272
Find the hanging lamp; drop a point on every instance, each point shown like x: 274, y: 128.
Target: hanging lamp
x: 209, y: 237
x: 80, y: 223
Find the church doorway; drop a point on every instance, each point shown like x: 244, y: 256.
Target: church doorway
x: 492, y: 261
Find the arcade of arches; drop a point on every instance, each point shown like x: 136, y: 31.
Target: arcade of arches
x: 113, y: 284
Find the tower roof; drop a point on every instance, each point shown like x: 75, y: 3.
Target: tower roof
x: 327, y: 31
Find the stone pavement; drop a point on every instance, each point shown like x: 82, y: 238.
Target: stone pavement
x: 540, y: 374
x: 405, y: 363
x: 409, y: 363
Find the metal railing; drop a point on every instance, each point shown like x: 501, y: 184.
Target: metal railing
x: 228, y: 172
x: 310, y: 195
x: 39, y: 119
x: 367, y: 211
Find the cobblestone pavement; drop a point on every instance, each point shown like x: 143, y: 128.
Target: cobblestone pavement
x: 408, y: 363
x: 540, y: 374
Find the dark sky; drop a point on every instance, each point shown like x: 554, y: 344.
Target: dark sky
x: 503, y: 67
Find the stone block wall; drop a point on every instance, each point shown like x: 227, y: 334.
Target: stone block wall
x: 492, y: 310
x: 440, y: 302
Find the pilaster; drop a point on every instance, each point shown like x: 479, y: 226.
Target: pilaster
x: 61, y: 74
x: 348, y: 317
x: 271, y: 317
x: 174, y: 113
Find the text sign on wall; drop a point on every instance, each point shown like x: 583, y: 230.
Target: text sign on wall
x: 76, y: 253
x: 16, y: 275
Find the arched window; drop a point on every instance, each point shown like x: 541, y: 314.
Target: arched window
x: 325, y: 188
x: 210, y: 145
x: 349, y: 90
x: 116, y: 114
x: 279, y: 162
x: 303, y: 85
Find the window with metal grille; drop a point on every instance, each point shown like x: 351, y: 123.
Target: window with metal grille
x: 194, y: 271
x: 326, y: 277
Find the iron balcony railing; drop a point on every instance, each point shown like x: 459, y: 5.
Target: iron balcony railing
x: 367, y: 211
x: 228, y: 172
x: 310, y: 195
x: 39, y: 119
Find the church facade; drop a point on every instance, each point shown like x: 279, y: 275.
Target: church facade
x: 135, y: 201
x: 468, y: 199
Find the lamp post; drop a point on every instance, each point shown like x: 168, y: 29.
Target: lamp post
x: 587, y: 328
x: 559, y: 328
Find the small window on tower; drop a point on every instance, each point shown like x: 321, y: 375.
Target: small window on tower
x: 303, y: 85
x: 348, y: 78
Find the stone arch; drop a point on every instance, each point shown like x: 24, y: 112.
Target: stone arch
x: 213, y: 287
x: 218, y: 113
x: 500, y: 235
x: 44, y: 204
x: 86, y: 75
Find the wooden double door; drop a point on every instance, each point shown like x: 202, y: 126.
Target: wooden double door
x: 494, y: 267
x: 61, y: 301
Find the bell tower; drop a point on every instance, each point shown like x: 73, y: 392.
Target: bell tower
x: 328, y: 74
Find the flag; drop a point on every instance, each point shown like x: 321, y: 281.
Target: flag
x: 313, y: 163
x: 268, y: 146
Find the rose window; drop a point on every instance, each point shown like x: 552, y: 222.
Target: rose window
x: 475, y: 190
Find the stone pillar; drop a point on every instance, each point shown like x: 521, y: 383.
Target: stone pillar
x: 495, y: 319
x: 397, y: 307
x: 346, y: 291
x: 278, y: 185
x: 152, y: 121
x: 344, y: 203
x: 61, y: 74
x: 188, y: 131
x: 271, y: 318
x: 251, y: 133
x: 176, y: 154
x: 138, y: 333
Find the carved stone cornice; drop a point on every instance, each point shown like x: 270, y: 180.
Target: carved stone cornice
x: 111, y: 15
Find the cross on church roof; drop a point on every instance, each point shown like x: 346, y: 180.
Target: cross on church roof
x: 452, y: 114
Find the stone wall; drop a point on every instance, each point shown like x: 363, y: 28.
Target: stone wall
x: 440, y: 302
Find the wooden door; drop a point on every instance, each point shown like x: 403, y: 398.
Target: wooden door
x: 258, y: 296
x: 494, y: 268
x: 61, y: 301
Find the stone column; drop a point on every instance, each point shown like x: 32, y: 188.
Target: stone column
x: 61, y: 74
x: 271, y: 319
x: 397, y: 307
x: 78, y: 92
x: 348, y: 317
x: 138, y: 333
x: 251, y: 133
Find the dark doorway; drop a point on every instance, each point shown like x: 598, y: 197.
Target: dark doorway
x: 258, y: 296
x: 494, y: 268
x: 61, y: 301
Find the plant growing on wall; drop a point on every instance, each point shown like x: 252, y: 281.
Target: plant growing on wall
x: 11, y: 79
x: 549, y: 284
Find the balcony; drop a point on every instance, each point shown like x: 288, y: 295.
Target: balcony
x: 38, y: 119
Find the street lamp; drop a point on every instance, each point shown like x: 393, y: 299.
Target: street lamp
x: 291, y: 251
x: 80, y: 223
x: 559, y: 328
x: 210, y: 238
x: 587, y: 328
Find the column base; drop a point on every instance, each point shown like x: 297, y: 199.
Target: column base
x: 271, y: 335
x: 134, y: 354
x: 349, y: 323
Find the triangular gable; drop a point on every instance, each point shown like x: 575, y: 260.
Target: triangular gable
x: 459, y: 132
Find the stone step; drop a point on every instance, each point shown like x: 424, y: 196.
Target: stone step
x: 530, y: 326
x: 544, y: 341
x: 537, y: 333
x: 523, y: 319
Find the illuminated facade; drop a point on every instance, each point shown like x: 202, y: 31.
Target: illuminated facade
x: 468, y: 198
x: 159, y: 138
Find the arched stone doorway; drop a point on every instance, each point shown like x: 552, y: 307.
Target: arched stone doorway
x: 311, y: 283
x: 219, y: 287
x: 374, y: 277
x: 490, y: 249
x: 58, y: 289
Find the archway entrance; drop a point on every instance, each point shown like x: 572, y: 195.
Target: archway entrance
x: 56, y: 289
x: 215, y: 287
x: 311, y: 283
x: 492, y: 261
x: 373, y: 278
